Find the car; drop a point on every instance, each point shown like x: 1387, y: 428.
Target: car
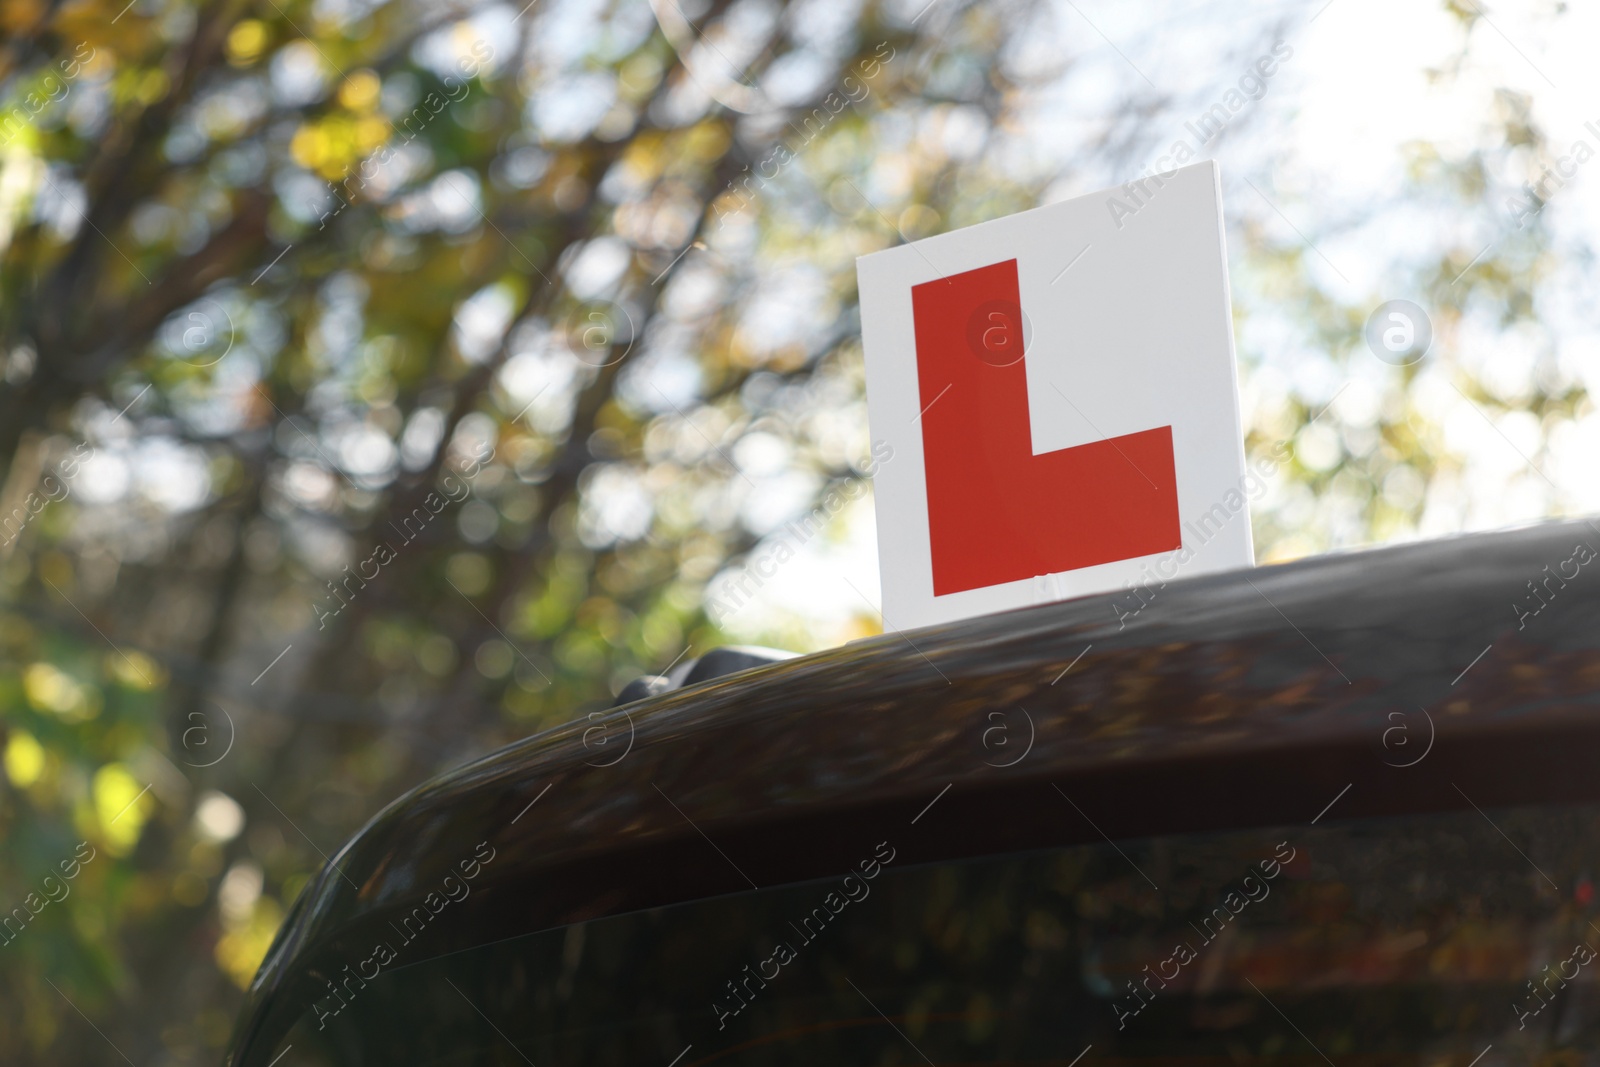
x: 1341, y: 810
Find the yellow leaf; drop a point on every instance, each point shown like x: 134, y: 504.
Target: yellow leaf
x: 239, y: 952
x: 246, y: 42
x: 135, y: 670
x: 49, y: 688
x: 122, y: 805
x: 360, y: 91
x: 24, y: 759
x: 308, y: 146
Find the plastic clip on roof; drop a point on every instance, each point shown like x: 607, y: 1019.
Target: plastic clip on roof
x: 714, y: 664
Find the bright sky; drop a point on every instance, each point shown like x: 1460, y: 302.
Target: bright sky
x: 1327, y: 139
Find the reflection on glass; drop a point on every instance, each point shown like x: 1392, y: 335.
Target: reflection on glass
x: 1418, y: 940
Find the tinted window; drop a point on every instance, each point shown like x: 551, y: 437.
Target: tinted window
x: 1417, y: 940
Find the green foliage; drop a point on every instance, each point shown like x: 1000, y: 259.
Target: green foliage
x: 380, y: 384
x: 370, y: 381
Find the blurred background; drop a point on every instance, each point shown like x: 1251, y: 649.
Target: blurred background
x: 384, y: 382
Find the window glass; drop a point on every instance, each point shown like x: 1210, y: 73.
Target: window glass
x: 1413, y: 940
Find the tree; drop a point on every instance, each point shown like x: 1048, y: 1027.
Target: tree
x: 383, y: 382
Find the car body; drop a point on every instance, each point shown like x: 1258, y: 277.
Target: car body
x: 1342, y: 807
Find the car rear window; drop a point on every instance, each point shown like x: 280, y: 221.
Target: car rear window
x: 1465, y: 938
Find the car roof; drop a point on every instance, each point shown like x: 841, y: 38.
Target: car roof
x: 1403, y: 679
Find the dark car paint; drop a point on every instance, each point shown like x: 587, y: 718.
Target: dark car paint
x: 1252, y: 698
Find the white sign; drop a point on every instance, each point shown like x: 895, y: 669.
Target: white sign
x: 1059, y: 390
